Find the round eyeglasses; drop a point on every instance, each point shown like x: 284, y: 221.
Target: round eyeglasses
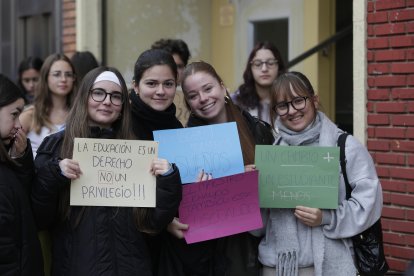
x: 297, y: 103
x: 99, y: 95
x: 258, y: 64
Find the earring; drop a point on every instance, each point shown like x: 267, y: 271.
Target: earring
x: 226, y: 99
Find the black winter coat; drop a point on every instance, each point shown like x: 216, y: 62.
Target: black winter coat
x: 106, y: 240
x: 235, y: 255
x: 20, y: 252
x: 145, y: 120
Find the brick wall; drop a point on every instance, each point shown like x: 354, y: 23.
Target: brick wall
x: 69, y: 27
x: 390, y: 57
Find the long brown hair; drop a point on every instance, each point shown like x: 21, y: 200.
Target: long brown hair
x: 77, y: 126
x: 234, y: 114
x: 43, y: 99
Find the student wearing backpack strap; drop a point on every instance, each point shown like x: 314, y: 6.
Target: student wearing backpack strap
x: 313, y: 241
x: 368, y: 248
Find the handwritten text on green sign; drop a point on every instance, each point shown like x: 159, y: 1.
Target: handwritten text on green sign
x: 291, y: 176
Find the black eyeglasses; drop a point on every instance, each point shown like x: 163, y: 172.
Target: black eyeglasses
x: 270, y: 63
x: 99, y: 95
x: 297, y: 103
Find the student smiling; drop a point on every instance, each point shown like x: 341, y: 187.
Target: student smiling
x: 314, y: 241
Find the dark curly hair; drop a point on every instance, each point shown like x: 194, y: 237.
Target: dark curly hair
x: 173, y: 46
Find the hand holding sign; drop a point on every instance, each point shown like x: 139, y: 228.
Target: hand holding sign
x: 176, y: 228
x: 309, y: 216
x: 160, y: 166
x: 70, y: 168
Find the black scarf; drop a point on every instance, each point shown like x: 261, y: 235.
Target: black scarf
x: 104, y: 133
x: 145, y: 119
x: 194, y: 121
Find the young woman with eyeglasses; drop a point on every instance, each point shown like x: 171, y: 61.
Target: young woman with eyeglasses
x: 98, y: 240
x: 53, y: 99
x: 313, y: 241
x: 263, y: 66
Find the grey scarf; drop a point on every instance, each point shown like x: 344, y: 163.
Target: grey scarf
x: 283, y: 234
x: 286, y: 235
x: 305, y: 137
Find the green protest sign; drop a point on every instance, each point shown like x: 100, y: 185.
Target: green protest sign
x: 292, y: 176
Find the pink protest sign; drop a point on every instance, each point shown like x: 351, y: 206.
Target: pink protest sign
x: 221, y: 207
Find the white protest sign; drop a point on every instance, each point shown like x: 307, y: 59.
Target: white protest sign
x: 115, y: 173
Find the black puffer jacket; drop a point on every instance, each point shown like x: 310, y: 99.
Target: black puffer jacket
x: 106, y: 240
x: 20, y: 252
x: 262, y: 132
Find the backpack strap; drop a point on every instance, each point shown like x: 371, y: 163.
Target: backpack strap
x: 342, y: 161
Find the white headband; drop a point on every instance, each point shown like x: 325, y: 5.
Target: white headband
x: 107, y: 76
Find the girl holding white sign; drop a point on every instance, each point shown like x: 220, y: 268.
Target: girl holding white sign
x: 313, y: 241
x: 98, y: 240
x: 209, y: 102
x: 20, y: 252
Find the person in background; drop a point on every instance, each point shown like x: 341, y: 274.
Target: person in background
x: 98, y: 240
x: 20, y: 252
x: 83, y: 62
x: 53, y: 100
x: 263, y: 66
x: 28, y: 77
x: 155, y: 80
x: 210, y: 103
x: 179, y: 51
x: 181, y: 54
x: 313, y: 241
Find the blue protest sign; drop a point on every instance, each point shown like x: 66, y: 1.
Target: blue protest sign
x: 212, y: 148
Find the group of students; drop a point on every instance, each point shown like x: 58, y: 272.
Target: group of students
x: 149, y: 241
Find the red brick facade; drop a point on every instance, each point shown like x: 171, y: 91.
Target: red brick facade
x: 390, y: 57
x: 69, y: 27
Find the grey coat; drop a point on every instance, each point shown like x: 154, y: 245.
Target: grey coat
x: 350, y: 218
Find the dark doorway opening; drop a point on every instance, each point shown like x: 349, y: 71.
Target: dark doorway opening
x: 344, y: 68
x: 275, y: 31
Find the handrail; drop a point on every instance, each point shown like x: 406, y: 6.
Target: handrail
x: 334, y: 38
